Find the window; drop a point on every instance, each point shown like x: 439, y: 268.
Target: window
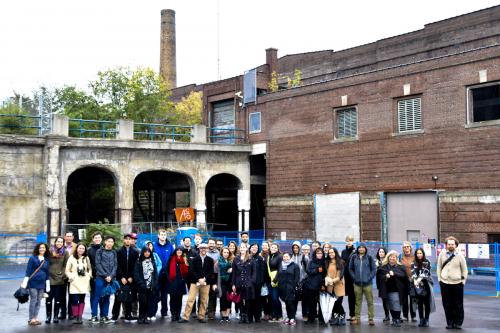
x: 409, y: 115
x: 484, y: 102
x: 346, y: 123
x: 254, y: 122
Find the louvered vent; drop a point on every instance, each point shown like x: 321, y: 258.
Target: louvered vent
x: 347, y: 123
x: 409, y: 115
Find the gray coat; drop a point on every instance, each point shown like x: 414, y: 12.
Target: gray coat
x: 106, y: 263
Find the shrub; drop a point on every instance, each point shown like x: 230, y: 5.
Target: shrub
x: 107, y: 229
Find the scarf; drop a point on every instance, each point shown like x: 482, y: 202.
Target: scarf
x: 224, y: 265
x: 57, y: 253
x: 284, y: 265
x: 147, y: 271
x: 173, y: 267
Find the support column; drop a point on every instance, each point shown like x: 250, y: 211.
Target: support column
x: 201, y: 208
x: 52, y: 189
x: 125, y: 198
x: 243, y: 210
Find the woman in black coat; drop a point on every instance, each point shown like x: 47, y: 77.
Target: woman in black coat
x: 273, y: 264
x: 288, y: 278
x: 315, y: 279
x: 178, y: 271
x: 146, y: 279
x: 393, y: 283
x: 243, y: 279
x: 381, y: 253
x: 260, y: 269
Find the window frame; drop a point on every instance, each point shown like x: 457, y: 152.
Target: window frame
x: 250, y: 122
x: 413, y: 131
x: 336, y: 137
x: 470, y: 105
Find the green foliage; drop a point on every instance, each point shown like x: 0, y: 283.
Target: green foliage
x: 107, y: 229
x: 296, y: 80
x: 15, y: 120
x: 273, y: 84
x: 187, y: 112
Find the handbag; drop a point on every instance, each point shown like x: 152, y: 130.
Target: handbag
x: 264, y: 291
x: 22, y: 294
x: 272, y: 275
x: 420, y: 291
x: 233, y: 297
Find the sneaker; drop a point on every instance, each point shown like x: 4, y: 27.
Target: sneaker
x: 106, y: 320
x: 371, y: 322
x: 292, y: 322
x: 152, y: 318
x: 130, y: 319
x: 94, y: 319
x: 286, y: 321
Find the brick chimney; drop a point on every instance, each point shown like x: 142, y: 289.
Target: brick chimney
x: 272, y: 60
x: 168, y: 68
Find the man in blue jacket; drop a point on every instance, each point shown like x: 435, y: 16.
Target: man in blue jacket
x: 164, y: 249
x: 363, y: 269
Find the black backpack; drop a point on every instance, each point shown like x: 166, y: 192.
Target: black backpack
x: 22, y: 295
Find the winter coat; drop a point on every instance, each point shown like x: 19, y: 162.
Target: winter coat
x: 315, y: 274
x: 287, y: 281
x: 334, y: 280
x: 400, y: 278
x: 57, y: 265
x: 91, y: 253
x: 273, y: 262
x: 79, y: 284
x: 177, y: 283
x: 244, y: 276
x: 126, y: 265
x: 140, y: 282
x: 38, y: 281
x: 164, y: 251
x: 362, y: 269
x: 346, y: 256
x: 200, y: 271
x: 106, y: 263
x: 260, y: 270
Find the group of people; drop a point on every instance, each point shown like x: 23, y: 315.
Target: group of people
x: 257, y: 278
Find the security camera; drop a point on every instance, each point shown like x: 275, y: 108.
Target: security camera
x: 238, y: 94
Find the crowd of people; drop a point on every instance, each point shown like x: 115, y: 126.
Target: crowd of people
x: 254, y: 277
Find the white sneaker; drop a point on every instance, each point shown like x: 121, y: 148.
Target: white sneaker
x: 292, y: 322
x: 286, y: 321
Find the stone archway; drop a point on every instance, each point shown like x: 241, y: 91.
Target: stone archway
x: 90, y: 196
x: 222, y: 202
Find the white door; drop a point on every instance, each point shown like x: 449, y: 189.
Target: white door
x: 336, y: 216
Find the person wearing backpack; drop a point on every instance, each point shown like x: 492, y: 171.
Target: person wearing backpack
x: 362, y: 269
x: 106, y: 266
x: 37, y: 280
x: 452, y: 274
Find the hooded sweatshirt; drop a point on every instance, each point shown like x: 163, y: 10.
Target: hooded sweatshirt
x: 362, y: 268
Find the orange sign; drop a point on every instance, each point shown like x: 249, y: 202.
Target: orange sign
x: 184, y: 214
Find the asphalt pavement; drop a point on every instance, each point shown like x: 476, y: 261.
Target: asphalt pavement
x: 482, y: 314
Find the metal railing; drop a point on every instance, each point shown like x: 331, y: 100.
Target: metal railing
x: 162, y: 132
x: 226, y: 135
x: 19, y: 124
x: 83, y: 128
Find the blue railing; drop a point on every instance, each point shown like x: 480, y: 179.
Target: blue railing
x: 83, y: 128
x: 19, y: 124
x: 162, y: 132
x: 229, y: 135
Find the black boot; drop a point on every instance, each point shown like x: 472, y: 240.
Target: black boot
x: 48, y: 309
x: 56, y: 313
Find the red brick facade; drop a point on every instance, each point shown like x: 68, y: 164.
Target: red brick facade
x: 438, y: 63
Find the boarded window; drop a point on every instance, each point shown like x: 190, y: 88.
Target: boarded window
x: 409, y: 115
x: 484, y: 102
x: 347, y: 123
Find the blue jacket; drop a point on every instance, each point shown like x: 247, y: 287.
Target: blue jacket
x: 38, y: 281
x: 164, y: 251
x: 362, y: 269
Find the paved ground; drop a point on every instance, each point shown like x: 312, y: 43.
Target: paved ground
x: 482, y: 315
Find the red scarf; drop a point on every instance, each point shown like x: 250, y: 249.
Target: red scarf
x: 173, y: 267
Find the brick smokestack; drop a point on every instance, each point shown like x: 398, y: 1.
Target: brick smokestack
x: 272, y: 60
x: 167, y: 48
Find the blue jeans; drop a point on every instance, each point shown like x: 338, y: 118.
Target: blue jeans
x: 102, y: 302
x: 276, y: 311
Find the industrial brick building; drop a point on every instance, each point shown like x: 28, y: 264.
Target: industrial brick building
x: 395, y: 139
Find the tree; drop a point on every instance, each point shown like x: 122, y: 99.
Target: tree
x: 273, y: 84
x: 188, y: 110
x: 16, y: 120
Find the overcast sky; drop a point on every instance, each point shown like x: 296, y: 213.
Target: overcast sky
x: 56, y: 42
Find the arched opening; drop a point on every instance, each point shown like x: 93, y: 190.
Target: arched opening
x: 157, y: 193
x: 222, y: 202
x: 90, y: 196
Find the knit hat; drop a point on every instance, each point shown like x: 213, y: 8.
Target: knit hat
x: 296, y: 243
